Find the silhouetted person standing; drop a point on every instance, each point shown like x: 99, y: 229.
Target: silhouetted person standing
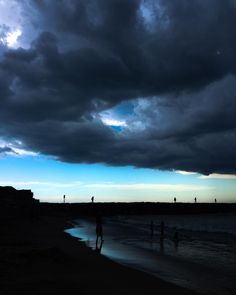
x: 174, y: 200
x: 195, y: 200
x: 64, y: 199
x: 92, y: 199
x: 215, y: 201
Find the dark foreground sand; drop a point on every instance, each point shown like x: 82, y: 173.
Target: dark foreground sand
x: 37, y: 257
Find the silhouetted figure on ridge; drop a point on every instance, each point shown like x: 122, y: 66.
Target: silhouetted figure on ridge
x: 174, y: 200
x: 215, y: 201
x: 92, y: 199
x: 195, y: 200
x: 64, y: 199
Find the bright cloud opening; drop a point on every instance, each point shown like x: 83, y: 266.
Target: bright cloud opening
x: 113, y: 122
x: 12, y: 38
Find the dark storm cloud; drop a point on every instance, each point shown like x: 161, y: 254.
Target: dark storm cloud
x: 187, y: 44
x: 196, y: 131
x: 89, y: 56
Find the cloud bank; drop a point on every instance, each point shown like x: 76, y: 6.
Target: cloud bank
x: 174, y: 61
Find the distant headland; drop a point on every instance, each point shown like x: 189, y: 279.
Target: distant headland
x: 137, y: 208
x: 21, y: 203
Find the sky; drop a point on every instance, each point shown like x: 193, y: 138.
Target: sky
x: 123, y: 100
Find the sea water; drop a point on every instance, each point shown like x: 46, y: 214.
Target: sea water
x: 204, y: 259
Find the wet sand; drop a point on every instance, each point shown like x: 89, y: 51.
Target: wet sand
x: 37, y: 257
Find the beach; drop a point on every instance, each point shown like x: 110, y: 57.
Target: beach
x: 38, y: 257
x: 203, y: 258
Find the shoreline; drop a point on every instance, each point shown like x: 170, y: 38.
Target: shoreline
x: 38, y: 257
x: 128, y: 242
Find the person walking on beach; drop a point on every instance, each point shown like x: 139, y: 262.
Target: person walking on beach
x: 99, y: 230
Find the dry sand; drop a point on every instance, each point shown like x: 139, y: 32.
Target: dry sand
x: 37, y: 257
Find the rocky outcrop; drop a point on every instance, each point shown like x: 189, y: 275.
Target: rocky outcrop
x: 17, y: 203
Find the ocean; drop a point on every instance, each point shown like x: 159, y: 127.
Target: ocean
x: 203, y: 259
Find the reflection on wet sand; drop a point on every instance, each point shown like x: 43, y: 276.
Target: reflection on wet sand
x: 98, y: 248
